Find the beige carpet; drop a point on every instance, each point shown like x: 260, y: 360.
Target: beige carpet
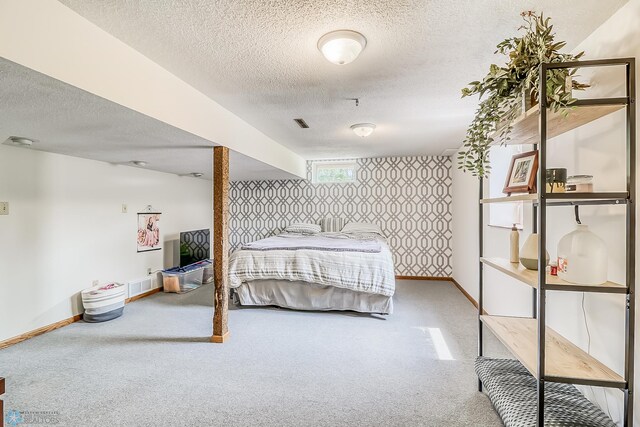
x: 155, y: 367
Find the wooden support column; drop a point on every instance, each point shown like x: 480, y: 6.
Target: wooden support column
x: 221, y: 243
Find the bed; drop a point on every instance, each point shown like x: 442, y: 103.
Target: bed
x: 348, y: 270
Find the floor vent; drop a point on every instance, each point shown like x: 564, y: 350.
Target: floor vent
x: 301, y: 123
x: 137, y: 287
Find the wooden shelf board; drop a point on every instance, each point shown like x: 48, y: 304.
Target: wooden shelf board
x: 563, y: 358
x: 526, y: 127
x: 575, y: 196
x: 610, y: 197
x: 510, y: 199
x: 530, y: 277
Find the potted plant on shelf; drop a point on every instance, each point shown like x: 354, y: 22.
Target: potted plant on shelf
x: 508, y: 89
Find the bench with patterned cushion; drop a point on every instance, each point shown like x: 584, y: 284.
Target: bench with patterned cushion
x: 513, y: 392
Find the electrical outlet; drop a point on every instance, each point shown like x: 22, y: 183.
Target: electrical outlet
x: 4, y: 208
x: 95, y: 282
x: 124, y: 208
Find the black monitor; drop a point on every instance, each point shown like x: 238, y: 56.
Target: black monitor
x: 194, y: 246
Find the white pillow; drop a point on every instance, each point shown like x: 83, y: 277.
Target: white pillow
x: 303, y: 228
x: 361, y: 227
x: 332, y: 224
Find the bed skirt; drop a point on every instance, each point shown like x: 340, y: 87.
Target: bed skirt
x: 307, y: 296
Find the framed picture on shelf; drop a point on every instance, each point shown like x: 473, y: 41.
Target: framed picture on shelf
x: 503, y: 214
x: 522, y: 173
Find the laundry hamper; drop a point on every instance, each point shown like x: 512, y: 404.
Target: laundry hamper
x: 103, y: 302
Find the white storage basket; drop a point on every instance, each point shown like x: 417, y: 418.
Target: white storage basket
x: 103, y: 302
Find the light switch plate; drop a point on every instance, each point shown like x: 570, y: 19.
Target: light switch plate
x: 124, y: 208
x: 4, y: 208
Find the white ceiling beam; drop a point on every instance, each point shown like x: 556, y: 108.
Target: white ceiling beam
x: 50, y: 38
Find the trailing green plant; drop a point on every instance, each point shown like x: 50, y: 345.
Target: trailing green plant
x: 502, y: 90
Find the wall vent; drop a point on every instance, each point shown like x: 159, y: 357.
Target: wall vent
x: 140, y: 286
x: 301, y: 123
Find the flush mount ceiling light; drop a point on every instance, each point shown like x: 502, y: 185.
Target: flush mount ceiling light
x: 363, y: 129
x: 342, y: 47
x: 20, y: 141
x: 139, y: 163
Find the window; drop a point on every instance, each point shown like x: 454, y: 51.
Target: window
x: 342, y: 171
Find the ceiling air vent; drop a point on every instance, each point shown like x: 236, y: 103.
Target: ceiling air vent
x: 301, y: 123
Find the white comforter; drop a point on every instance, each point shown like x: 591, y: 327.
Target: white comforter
x: 360, y: 271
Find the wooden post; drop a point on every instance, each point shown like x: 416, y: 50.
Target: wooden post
x: 220, y: 243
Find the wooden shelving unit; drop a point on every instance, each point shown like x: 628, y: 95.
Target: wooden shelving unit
x: 525, y: 128
x: 547, y: 355
x: 553, y: 283
x: 564, y: 359
x: 565, y: 199
x: 511, y: 199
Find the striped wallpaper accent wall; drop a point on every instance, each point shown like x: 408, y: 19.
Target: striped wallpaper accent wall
x: 409, y: 197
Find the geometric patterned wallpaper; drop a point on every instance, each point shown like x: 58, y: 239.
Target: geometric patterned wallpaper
x: 194, y: 246
x: 408, y: 197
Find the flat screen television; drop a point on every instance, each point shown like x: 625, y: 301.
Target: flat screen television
x: 194, y: 246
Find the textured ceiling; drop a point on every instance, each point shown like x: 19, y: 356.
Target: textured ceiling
x: 66, y: 120
x: 259, y: 60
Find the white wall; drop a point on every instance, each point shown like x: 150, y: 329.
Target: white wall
x: 65, y: 229
x: 464, y: 224
x: 107, y: 67
x: 597, y: 149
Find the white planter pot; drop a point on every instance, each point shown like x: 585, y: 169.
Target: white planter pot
x: 529, y: 253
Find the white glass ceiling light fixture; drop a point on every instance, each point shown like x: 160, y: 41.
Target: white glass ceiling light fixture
x: 363, y: 129
x: 342, y: 47
x: 20, y: 141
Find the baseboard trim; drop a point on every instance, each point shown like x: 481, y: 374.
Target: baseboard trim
x: 145, y: 294
x: 444, y: 279
x: 39, y: 331
x: 432, y: 278
x: 466, y: 294
x: 62, y: 323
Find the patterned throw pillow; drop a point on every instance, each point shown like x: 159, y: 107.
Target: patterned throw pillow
x: 332, y: 224
x: 303, y: 228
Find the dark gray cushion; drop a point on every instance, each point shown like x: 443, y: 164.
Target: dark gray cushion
x: 513, y: 392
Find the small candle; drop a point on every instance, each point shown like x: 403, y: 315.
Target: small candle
x: 553, y: 267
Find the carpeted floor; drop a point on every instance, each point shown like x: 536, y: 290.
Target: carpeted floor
x: 155, y: 366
